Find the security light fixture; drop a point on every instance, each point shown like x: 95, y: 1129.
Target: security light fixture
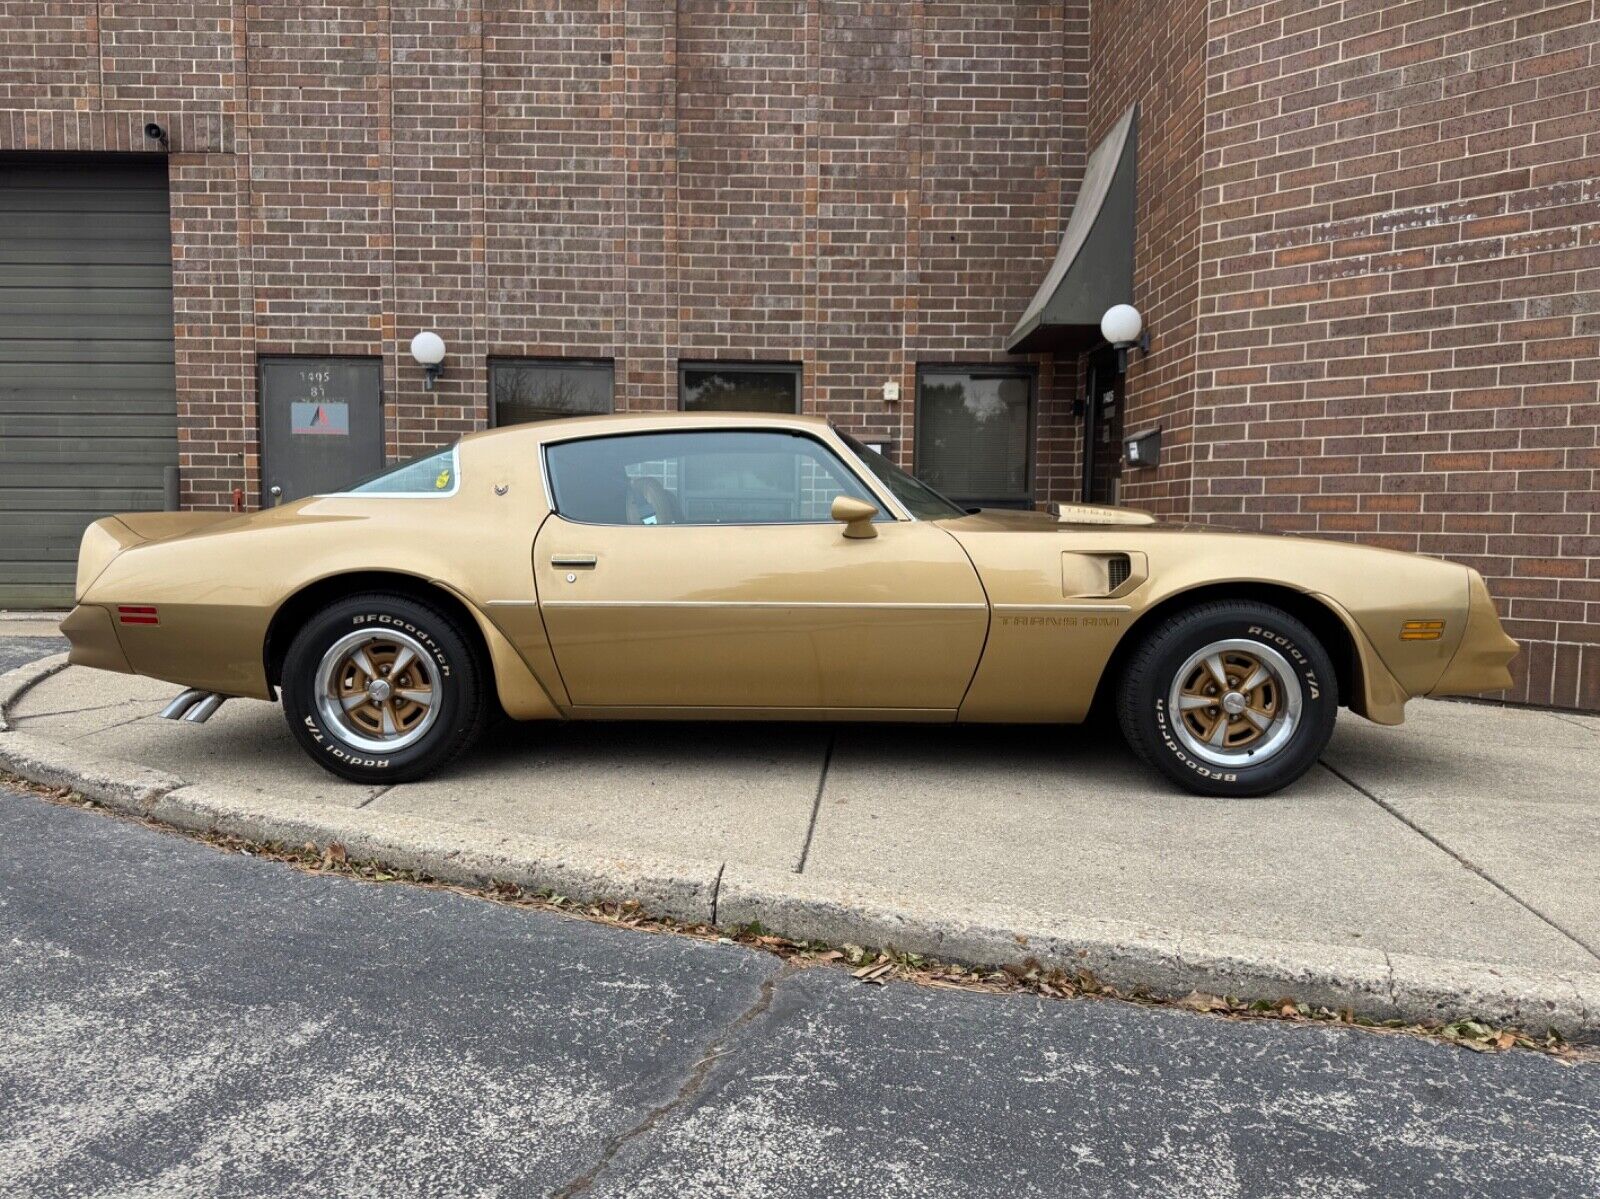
x: 156, y: 134
x: 1123, y: 328
x: 427, y: 348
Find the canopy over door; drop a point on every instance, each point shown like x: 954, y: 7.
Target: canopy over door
x: 1093, y: 269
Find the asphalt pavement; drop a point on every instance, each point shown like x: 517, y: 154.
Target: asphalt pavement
x: 18, y: 651
x: 180, y: 1021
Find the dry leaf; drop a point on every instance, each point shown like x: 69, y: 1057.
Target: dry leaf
x: 875, y: 972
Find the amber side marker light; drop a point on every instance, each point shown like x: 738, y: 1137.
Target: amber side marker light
x: 132, y: 614
x: 1422, y: 630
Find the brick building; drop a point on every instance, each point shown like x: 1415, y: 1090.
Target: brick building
x: 1365, y: 241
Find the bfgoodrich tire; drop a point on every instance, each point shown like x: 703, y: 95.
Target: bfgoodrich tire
x: 383, y: 689
x: 1229, y: 699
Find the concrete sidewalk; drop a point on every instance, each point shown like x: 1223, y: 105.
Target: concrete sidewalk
x: 1466, y: 843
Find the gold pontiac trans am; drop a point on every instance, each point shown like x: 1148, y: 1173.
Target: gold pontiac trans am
x: 730, y: 566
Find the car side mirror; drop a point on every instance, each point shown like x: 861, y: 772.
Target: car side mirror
x: 856, y: 516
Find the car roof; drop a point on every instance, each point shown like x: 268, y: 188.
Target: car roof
x: 649, y: 422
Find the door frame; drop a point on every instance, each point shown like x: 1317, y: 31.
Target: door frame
x: 1101, y: 364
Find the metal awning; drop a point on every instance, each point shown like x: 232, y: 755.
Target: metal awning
x: 1094, y: 266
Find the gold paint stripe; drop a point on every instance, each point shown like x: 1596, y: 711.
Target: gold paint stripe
x: 750, y: 604
x: 1062, y: 608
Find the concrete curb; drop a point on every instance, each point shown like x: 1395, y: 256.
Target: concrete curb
x: 1134, y: 957
x: 117, y: 784
x: 1127, y: 956
x: 14, y: 684
x: 451, y: 853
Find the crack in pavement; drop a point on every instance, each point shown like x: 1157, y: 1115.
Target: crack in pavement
x: 154, y: 704
x: 1577, y: 724
x: 693, y: 1083
x: 119, y: 724
x: 816, y: 804
x: 376, y: 795
x: 1465, y: 861
x: 716, y: 893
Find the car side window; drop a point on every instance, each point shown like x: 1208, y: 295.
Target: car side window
x: 712, y: 477
x: 432, y: 475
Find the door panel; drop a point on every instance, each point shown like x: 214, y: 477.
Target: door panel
x: 760, y: 616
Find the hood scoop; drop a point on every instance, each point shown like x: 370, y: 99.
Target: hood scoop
x: 1100, y: 514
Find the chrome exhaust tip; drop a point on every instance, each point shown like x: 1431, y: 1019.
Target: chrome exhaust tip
x: 204, y: 710
x: 185, y: 701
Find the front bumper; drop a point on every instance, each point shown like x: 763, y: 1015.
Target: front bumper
x: 94, y: 640
x: 1482, y: 662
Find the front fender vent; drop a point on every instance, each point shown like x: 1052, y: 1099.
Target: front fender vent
x: 1117, y: 570
x: 1099, y: 575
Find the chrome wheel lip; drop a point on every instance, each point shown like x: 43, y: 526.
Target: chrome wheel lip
x: 332, y: 711
x: 1276, y: 735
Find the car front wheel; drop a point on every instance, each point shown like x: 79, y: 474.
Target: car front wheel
x: 383, y: 689
x: 1229, y: 699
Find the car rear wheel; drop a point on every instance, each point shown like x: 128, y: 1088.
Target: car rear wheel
x: 383, y: 689
x: 1229, y: 699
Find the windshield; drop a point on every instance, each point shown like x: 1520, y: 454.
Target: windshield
x: 920, y: 500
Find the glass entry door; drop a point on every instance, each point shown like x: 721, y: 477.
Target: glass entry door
x: 1102, y: 440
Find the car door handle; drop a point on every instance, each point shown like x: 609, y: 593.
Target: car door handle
x: 584, y: 561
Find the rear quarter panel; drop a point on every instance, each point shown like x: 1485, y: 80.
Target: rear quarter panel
x: 217, y: 590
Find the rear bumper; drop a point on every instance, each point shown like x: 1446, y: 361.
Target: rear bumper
x: 1482, y: 661
x: 94, y: 640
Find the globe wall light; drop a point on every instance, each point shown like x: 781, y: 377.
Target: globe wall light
x: 427, y: 348
x: 1123, y: 328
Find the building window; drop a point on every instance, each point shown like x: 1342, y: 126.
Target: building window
x: 529, y: 389
x: 975, y: 434
x: 738, y: 387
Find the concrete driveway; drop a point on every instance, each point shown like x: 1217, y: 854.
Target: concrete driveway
x: 1471, y: 833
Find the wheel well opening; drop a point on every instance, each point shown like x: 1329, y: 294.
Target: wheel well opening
x: 300, y: 606
x: 1323, y: 622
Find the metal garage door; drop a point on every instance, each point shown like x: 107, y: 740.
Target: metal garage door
x: 88, y: 411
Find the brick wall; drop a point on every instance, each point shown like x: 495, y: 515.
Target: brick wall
x: 854, y: 185
x: 558, y: 234
x: 1152, y: 53
x: 1400, y: 281
x: 999, y: 133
